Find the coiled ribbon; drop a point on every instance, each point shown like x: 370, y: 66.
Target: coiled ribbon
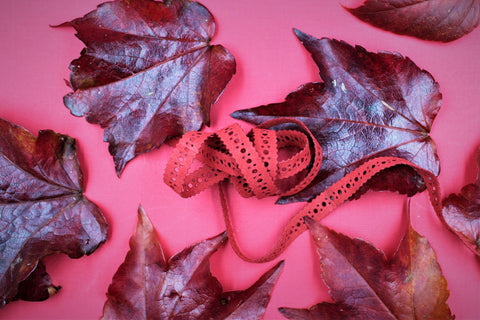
x: 252, y: 163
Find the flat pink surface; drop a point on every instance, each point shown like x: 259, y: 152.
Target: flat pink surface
x: 271, y: 62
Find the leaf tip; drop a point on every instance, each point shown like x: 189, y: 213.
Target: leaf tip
x: 277, y: 268
x: 317, y: 230
x: 141, y: 211
x: 61, y: 25
x: 119, y: 169
x: 144, y: 222
x: 222, y: 237
x: 309, y: 221
x: 352, y: 6
x: 302, y: 36
x: 53, y: 290
x: 288, y: 313
x: 236, y: 114
x: 214, y: 242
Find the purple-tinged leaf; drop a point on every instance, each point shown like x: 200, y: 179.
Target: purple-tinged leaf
x: 42, y: 210
x: 148, y: 72
x: 369, y: 105
x: 437, y: 20
x: 146, y: 286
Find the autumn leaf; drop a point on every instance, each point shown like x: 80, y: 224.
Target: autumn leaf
x: 365, y: 285
x: 461, y: 213
x: 42, y: 210
x: 437, y: 20
x: 38, y: 286
x: 369, y: 105
x: 148, y: 72
x: 147, y: 287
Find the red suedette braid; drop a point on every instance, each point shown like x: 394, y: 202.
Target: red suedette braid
x: 252, y: 164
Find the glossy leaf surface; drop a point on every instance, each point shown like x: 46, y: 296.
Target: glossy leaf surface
x: 148, y: 72
x: 437, y: 20
x: 462, y: 213
x: 42, y: 210
x: 365, y: 285
x: 369, y: 105
x: 146, y: 286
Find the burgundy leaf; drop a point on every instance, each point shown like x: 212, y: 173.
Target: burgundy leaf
x: 437, y: 20
x: 462, y: 213
x: 364, y: 285
x: 38, y: 286
x: 369, y: 105
x: 42, y: 210
x: 147, y: 287
x: 148, y: 72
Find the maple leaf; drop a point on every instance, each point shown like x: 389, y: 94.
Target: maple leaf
x: 461, y: 213
x: 437, y: 20
x: 42, y: 210
x: 369, y: 105
x: 364, y: 285
x: 147, y: 287
x: 148, y: 72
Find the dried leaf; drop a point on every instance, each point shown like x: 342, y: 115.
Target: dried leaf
x: 437, y: 20
x: 42, y: 210
x: 369, y: 105
x: 461, y: 213
x: 148, y: 72
x: 147, y: 287
x: 364, y: 285
x: 38, y: 286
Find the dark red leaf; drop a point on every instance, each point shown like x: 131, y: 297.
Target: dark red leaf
x: 148, y: 72
x: 42, y: 210
x: 147, y: 287
x: 364, y: 285
x: 369, y: 105
x: 438, y: 20
x: 462, y: 213
x: 38, y: 286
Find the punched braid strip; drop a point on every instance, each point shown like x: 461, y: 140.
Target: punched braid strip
x: 252, y: 164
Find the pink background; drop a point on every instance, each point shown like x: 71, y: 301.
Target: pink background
x: 271, y: 62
